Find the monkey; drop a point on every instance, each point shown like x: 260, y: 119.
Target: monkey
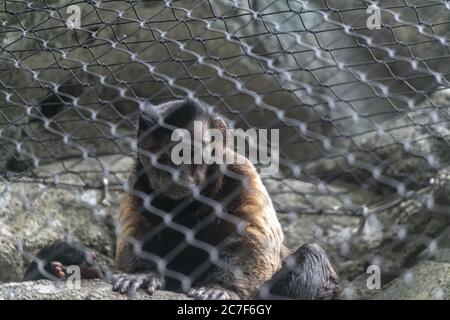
x: 209, y: 230
x: 52, y: 261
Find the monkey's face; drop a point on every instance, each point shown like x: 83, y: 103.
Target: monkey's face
x: 175, y: 169
x: 174, y: 181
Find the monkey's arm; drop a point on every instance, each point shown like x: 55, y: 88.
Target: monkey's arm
x: 133, y: 227
x: 256, y: 253
x: 240, y: 273
x: 137, y: 271
x: 51, y: 262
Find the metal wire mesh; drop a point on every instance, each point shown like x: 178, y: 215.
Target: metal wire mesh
x: 363, y: 116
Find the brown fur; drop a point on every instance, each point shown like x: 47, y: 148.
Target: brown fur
x: 158, y: 213
x: 260, y: 251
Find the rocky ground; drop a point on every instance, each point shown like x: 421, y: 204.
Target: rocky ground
x: 89, y: 290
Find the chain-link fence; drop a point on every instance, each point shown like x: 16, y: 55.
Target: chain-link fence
x: 357, y: 89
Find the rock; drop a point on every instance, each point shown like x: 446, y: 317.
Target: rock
x: 442, y: 249
x: 34, y: 215
x: 306, y: 218
x: 11, y: 262
x: 412, y: 229
x: 301, y: 197
x: 89, y: 289
x: 427, y: 280
x: 90, y: 173
x: 329, y: 229
x: 442, y: 255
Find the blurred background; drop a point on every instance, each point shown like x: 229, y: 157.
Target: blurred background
x: 358, y: 89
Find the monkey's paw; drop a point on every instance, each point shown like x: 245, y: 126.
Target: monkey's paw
x: 207, y: 293
x: 58, y: 270
x: 130, y: 283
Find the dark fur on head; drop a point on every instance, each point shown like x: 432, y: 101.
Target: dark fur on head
x: 156, y: 124
x: 306, y: 275
x: 165, y: 118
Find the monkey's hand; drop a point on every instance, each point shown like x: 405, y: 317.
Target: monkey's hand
x: 58, y: 270
x: 130, y: 283
x: 212, y: 292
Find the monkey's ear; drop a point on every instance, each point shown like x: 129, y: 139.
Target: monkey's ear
x: 148, y: 118
x: 219, y: 123
x: 181, y: 113
x: 143, y: 126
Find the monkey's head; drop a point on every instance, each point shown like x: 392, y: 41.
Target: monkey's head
x: 158, y: 127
